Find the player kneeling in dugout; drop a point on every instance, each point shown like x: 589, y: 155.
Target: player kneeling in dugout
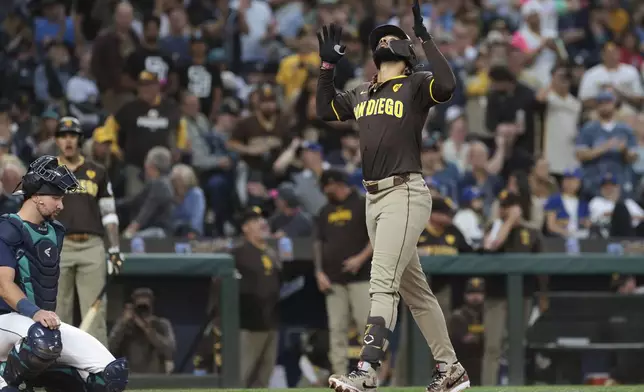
x: 36, y: 348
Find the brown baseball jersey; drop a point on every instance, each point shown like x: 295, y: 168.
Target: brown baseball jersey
x: 391, y: 116
x: 82, y: 214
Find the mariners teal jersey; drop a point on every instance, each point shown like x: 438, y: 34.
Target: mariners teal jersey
x: 33, y: 251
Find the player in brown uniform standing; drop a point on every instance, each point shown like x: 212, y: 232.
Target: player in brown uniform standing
x: 89, y: 214
x: 391, y: 112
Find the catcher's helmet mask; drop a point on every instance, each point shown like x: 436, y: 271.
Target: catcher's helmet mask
x: 403, y: 47
x: 45, y: 177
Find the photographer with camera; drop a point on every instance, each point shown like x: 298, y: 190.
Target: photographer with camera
x: 146, y: 340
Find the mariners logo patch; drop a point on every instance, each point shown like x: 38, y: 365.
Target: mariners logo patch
x: 47, y: 253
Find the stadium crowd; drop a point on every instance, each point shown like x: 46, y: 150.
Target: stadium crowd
x: 202, y: 109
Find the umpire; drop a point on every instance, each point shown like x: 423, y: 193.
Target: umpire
x: 391, y: 111
x: 342, y: 252
x: 90, y: 214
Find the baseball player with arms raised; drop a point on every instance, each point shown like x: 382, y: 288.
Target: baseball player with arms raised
x: 391, y: 112
x: 36, y: 349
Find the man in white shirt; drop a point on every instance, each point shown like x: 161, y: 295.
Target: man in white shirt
x: 469, y: 219
x: 607, y: 209
x: 622, y: 79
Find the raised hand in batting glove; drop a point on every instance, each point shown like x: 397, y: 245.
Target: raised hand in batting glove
x: 419, y: 28
x: 331, y: 51
x: 115, y: 261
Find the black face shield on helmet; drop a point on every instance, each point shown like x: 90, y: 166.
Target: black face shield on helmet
x: 45, y: 177
x: 402, y: 48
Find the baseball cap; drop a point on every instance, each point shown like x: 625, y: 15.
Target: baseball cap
x: 470, y: 193
x: 475, y: 285
x: 50, y: 114
x: 509, y: 199
x: 609, y: 178
x: 576, y: 173
x: 605, y: 96
x: 443, y: 205
x: 311, y: 146
x: 453, y: 113
x: 101, y: 135
x: 617, y: 280
x: 331, y: 176
x: 430, y: 144
x: 147, y: 77
x: 250, y: 214
x: 230, y: 106
x: 143, y: 292
x: 287, y: 193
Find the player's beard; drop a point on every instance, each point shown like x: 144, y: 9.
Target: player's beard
x: 384, y: 55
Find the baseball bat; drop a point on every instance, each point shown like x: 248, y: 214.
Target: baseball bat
x: 89, y: 317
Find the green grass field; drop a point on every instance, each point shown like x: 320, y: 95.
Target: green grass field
x: 635, y: 388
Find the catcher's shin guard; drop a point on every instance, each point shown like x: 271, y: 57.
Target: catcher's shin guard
x: 112, y: 379
x: 36, y: 352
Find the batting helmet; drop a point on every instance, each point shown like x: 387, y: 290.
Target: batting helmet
x: 69, y: 124
x: 46, y: 177
x: 403, y: 47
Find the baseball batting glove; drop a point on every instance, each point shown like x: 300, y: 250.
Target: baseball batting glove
x: 115, y: 258
x: 419, y: 27
x: 331, y: 51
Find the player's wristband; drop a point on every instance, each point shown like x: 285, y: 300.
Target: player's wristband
x: 326, y: 65
x: 27, y: 308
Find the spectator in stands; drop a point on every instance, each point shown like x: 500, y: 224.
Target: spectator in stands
x: 82, y: 88
x: 144, y: 339
x: 52, y: 76
x: 443, y: 172
x: 214, y: 163
x: 151, y: 209
x: 289, y: 220
x: 483, y: 172
x: 45, y: 142
x: 100, y: 149
x: 511, y: 104
x: 610, y: 211
x: 348, y: 157
x: 342, y: 255
x: 536, y: 40
x: 110, y: 52
x: 507, y: 234
x: 542, y: 184
x: 307, y: 182
x: 199, y: 77
x: 531, y: 207
x: 562, y: 110
x: 466, y: 329
x: 190, y: 202
x: 177, y: 43
x: 294, y: 70
x: 622, y: 80
x: 259, y: 291
x: 470, y: 218
x: 606, y: 146
x: 146, y: 122
x: 255, y: 18
x: 442, y: 238
x: 149, y: 57
x: 54, y: 24
x: 10, y: 176
x: 259, y: 138
x: 567, y: 215
x: 456, y: 148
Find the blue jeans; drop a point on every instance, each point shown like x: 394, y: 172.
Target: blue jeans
x: 220, y: 190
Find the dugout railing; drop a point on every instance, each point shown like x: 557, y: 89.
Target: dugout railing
x: 418, y: 357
